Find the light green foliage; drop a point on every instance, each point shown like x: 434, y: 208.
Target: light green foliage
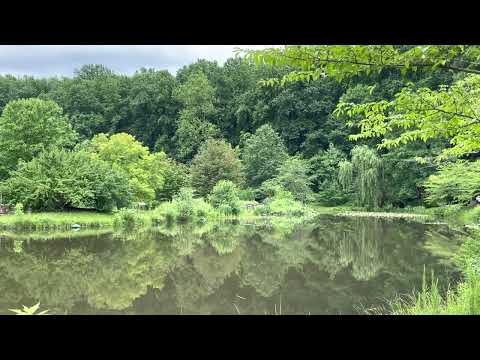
x: 19, y: 209
x: 422, y: 114
x: 311, y: 62
x: 28, y: 127
x: 58, y: 179
x: 293, y: 176
x: 262, y: 154
x: 184, y: 203
x: 224, y: 196
x: 124, y: 153
x: 215, y: 161
x: 32, y: 310
x: 464, y: 300
x: 457, y: 182
x: 364, y: 173
x: 127, y: 219
x: 282, y: 203
x: 184, y: 207
x: 468, y: 257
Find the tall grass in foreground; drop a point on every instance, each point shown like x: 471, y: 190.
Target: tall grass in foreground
x: 465, y: 300
x: 431, y: 300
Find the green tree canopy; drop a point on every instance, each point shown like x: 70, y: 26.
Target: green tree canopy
x: 364, y: 173
x: 215, y: 161
x: 28, y: 127
x: 324, y: 169
x: 197, y: 96
x: 310, y: 62
x: 424, y: 114
x: 454, y: 183
x: 224, y: 196
x: 262, y: 154
x: 59, y: 179
x: 294, y: 177
x: 122, y: 151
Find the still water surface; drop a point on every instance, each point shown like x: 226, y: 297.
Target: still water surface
x: 331, y: 265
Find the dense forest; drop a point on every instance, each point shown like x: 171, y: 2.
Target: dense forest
x: 104, y: 140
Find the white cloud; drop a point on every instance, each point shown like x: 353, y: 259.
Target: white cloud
x: 61, y: 60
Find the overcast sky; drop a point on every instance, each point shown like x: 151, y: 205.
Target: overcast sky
x: 62, y: 60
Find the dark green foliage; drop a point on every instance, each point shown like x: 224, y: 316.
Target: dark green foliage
x: 324, y: 173
x: 215, y: 161
x: 404, y: 176
x: 197, y: 96
x: 262, y: 154
x: 176, y: 176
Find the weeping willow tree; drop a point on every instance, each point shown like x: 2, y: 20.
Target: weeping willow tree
x: 364, y: 175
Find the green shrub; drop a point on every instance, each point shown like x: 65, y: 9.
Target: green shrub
x: 247, y: 194
x: 281, y: 203
x: 224, y: 197
x: 447, y: 211
x: 464, y: 300
x: 266, y: 190
x: 293, y: 175
x: 202, y: 208
x: 470, y: 215
x: 127, y: 219
x: 215, y: 161
x: 19, y: 209
x: 183, y: 203
x: 60, y: 179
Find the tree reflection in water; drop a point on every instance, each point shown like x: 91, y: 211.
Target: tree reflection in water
x: 328, y: 265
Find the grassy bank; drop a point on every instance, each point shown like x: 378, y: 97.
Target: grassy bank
x: 55, y: 220
x: 199, y: 210
x: 460, y: 299
x: 464, y: 300
x: 168, y: 212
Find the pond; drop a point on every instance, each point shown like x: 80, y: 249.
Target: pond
x: 329, y: 265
